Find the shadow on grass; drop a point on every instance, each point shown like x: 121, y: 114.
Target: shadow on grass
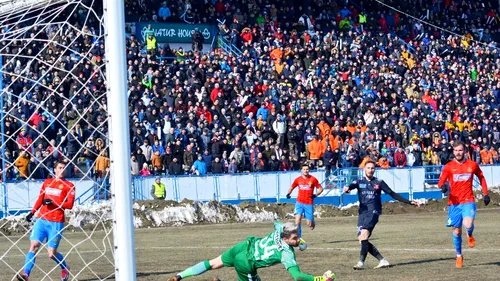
x: 421, y: 261
x: 139, y: 274
x: 497, y: 263
x: 347, y: 241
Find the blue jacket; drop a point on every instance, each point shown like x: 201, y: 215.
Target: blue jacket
x: 201, y: 167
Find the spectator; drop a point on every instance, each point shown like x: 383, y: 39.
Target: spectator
x: 217, y: 167
x: 102, y: 163
x: 145, y: 170
x: 175, y: 168
x: 199, y: 166
x: 400, y: 159
x: 198, y: 39
x: 151, y: 44
x: 233, y: 167
x: 22, y: 163
x: 158, y: 190
x: 135, y: 167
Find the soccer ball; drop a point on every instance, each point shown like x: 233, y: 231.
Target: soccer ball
x: 329, y: 276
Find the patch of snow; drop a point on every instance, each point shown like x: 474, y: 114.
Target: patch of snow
x: 350, y: 205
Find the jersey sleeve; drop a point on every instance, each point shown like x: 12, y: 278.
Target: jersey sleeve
x: 386, y: 189
x: 316, y: 183
x: 40, y: 198
x: 288, y: 259
x: 354, y: 185
x: 479, y: 173
x: 445, y: 174
x: 69, y: 201
x: 295, y: 183
x: 299, y: 276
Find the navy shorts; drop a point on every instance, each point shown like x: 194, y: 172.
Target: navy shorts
x: 367, y: 221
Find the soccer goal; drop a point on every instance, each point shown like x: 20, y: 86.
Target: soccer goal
x: 64, y: 99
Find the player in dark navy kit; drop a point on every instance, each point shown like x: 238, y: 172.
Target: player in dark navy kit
x: 370, y: 208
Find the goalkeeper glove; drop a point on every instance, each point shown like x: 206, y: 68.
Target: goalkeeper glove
x: 47, y: 201
x: 29, y: 217
x: 327, y: 276
x: 486, y: 200
x: 288, y: 196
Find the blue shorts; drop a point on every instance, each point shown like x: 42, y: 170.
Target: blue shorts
x: 47, y: 230
x: 305, y: 210
x: 456, y: 213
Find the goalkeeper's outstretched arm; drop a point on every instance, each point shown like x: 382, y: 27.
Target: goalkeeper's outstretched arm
x: 299, y: 276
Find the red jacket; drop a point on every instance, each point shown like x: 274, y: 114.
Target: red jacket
x: 400, y: 158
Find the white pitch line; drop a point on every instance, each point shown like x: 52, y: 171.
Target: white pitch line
x: 351, y: 249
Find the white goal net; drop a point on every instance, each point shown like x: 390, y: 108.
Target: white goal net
x: 54, y: 109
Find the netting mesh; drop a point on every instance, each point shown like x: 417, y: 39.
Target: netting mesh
x: 54, y: 109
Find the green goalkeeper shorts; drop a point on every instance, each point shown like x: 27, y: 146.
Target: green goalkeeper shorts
x: 237, y: 257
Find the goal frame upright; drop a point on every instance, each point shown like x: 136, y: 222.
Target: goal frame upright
x: 119, y: 135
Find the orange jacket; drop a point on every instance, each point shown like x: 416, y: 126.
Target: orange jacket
x: 22, y: 165
x: 486, y: 157
x: 315, y: 149
x: 323, y: 128
x: 494, y: 155
x: 363, y: 163
x: 383, y: 164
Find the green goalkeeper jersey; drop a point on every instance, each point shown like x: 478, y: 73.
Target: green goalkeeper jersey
x: 270, y: 250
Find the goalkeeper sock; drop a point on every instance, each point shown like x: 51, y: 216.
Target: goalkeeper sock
x: 196, y: 269
x: 470, y: 230
x: 59, y: 259
x: 374, y: 251
x: 29, y: 262
x: 364, y: 250
x: 457, y: 241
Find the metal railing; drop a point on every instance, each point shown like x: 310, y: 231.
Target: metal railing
x: 228, y: 47
x: 411, y: 182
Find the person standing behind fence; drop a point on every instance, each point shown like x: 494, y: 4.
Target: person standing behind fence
x: 158, y: 190
x: 151, y: 45
x: 198, y: 39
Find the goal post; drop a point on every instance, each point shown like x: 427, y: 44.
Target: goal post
x: 63, y: 85
x: 119, y: 133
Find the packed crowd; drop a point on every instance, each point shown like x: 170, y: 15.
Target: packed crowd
x: 324, y: 82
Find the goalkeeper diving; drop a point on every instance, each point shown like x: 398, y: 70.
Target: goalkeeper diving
x: 254, y: 253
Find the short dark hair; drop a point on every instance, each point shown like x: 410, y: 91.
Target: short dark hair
x: 59, y: 163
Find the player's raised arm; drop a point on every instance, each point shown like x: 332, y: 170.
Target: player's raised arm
x: 479, y: 173
x: 354, y: 185
x: 387, y: 190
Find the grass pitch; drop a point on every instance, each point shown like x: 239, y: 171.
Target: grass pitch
x: 418, y: 246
